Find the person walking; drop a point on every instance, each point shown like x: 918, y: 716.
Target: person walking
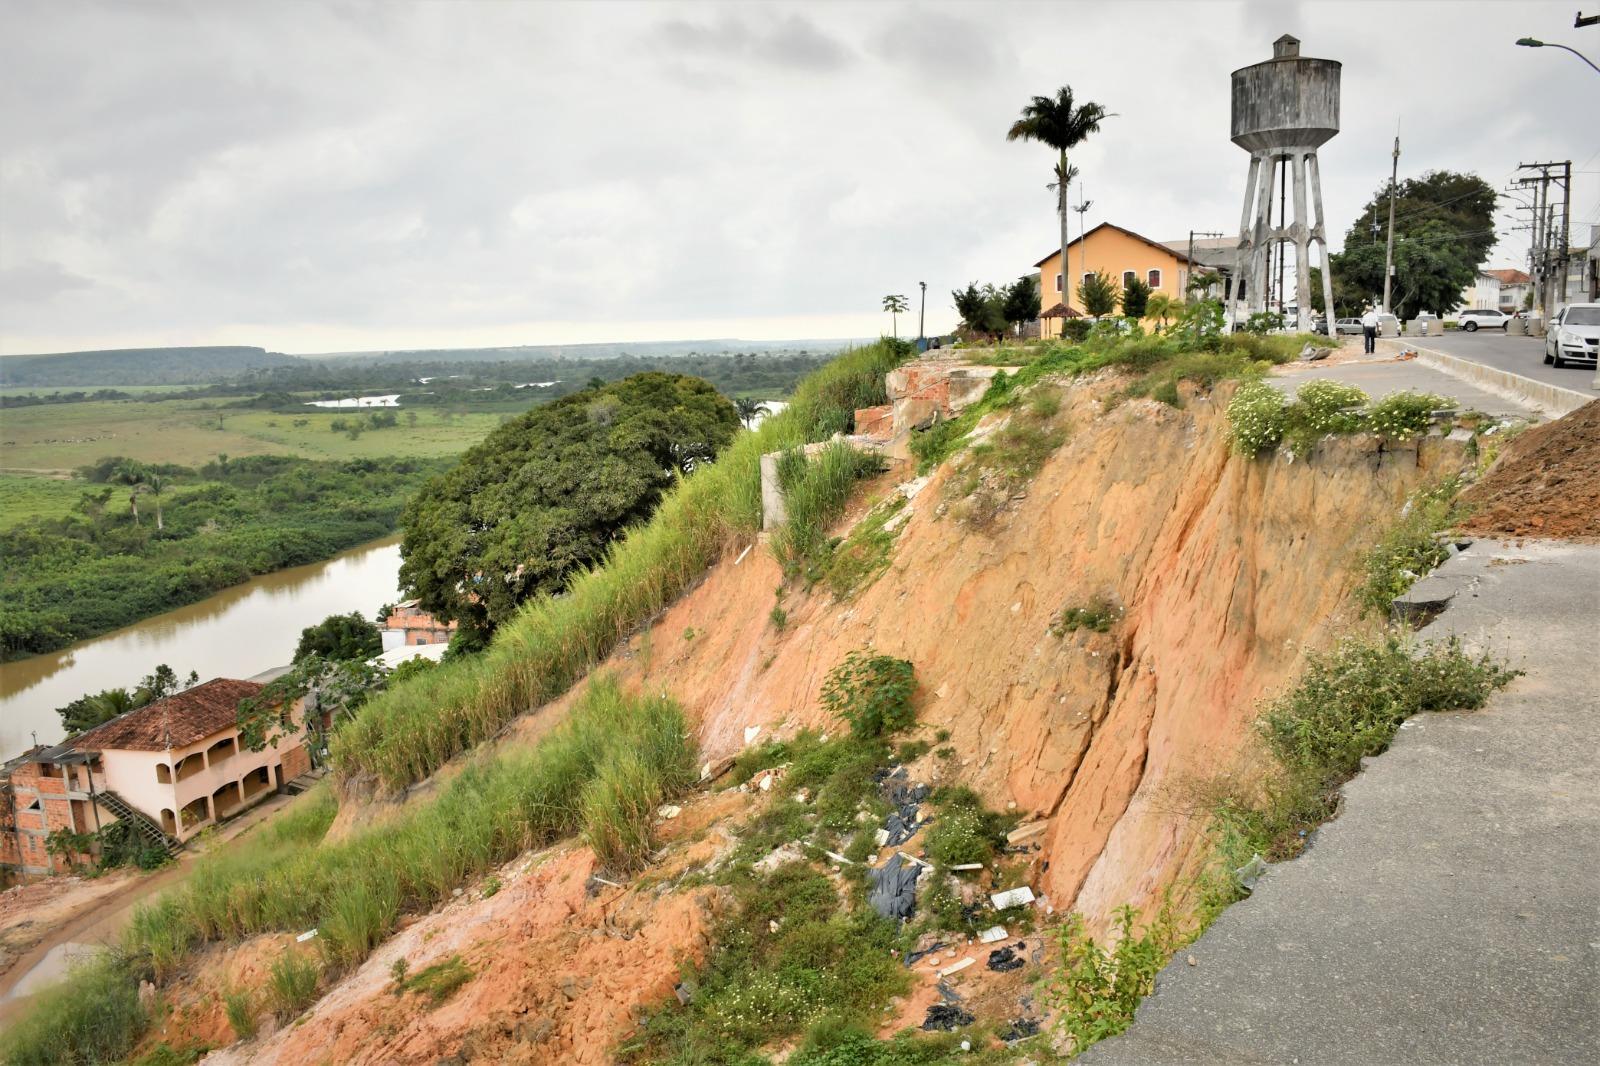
x: 1369, y: 329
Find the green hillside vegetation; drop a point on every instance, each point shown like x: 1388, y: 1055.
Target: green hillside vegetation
x: 549, y: 490
x: 76, y: 575
x: 411, y: 730
x: 138, y: 366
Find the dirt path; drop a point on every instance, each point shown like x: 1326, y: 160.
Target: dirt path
x: 93, y: 913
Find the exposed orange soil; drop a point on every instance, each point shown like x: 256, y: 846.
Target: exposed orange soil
x: 1545, y: 484
x: 1227, y: 569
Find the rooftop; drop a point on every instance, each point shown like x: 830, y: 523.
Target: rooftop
x: 174, y: 722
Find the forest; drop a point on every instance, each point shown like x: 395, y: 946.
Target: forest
x: 144, y: 539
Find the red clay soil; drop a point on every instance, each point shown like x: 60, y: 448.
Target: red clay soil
x: 1547, y: 484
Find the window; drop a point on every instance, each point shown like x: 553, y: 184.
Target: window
x: 1087, y: 275
x: 1153, y: 279
x: 1128, y: 277
x: 1058, y: 282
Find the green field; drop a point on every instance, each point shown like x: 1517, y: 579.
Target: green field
x: 25, y: 496
x: 57, y: 438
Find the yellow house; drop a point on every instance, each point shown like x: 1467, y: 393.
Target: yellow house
x: 1120, y: 253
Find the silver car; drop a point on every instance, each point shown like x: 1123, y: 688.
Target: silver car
x: 1573, y: 336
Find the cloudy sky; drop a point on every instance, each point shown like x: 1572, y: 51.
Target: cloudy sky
x: 321, y: 176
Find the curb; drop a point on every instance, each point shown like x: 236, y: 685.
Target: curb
x: 1553, y: 400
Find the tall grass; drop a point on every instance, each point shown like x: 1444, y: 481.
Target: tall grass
x: 602, y: 773
x: 93, y: 1016
x: 409, y: 731
x: 815, y: 492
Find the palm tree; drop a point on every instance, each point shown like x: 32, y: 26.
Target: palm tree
x: 896, y: 306
x: 155, y: 484
x: 748, y: 409
x: 1062, y: 124
x: 134, y: 476
x: 1161, y: 307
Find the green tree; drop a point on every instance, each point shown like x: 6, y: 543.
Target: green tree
x: 748, y: 408
x: 1098, y: 294
x: 155, y: 483
x: 1162, y: 307
x: 1443, y: 230
x: 1022, y: 300
x: 982, y: 308
x: 1135, y: 298
x: 1059, y: 122
x: 896, y: 306
x: 548, y: 492
x: 339, y: 637
x: 133, y: 475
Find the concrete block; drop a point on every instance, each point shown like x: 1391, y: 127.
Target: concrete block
x: 773, y: 513
x: 875, y: 422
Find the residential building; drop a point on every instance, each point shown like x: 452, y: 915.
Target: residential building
x: 176, y: 764
x: 407, y: 624
x: 1484, y: 292
x: 1118, y: 252
x: 1516, y: 289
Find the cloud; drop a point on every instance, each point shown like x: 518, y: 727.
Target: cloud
x: 511, y: 173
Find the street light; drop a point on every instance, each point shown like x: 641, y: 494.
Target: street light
x: 1532, y: 42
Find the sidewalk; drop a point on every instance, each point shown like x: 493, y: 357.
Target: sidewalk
x: 1382, y: 374
x: 1451, y: 913
x: 1508, y: 366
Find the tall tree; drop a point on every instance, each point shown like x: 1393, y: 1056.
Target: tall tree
x: 1135, y: 298
x: 1162, y: 307
x: 896, y: 306
x: 1059, y: 122
x: 339, y: 637
x: 133, y: 475
x: 748, y: 408
x: 1022, y: 299
x: 154, y: 483
x: 982, y: 308
x: 1443, y: 231
x: 1098, y: 294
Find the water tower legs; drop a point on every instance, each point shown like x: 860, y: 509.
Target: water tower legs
x: 1256, y: 232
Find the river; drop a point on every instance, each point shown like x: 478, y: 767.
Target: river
x: 239, y: 632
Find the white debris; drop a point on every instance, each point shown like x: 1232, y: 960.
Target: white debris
x: 1015, y: 897
x: 1026, y: 832
x: 840, y: 859
x: 750, y: 734
x: 881, y: 837
x: 967, y: 866
x: 957, y: 967
x: 765, y: 784
x: 742, y: 554
x: 668, y: 811
x: 993, y: 935
x: 310, y: 934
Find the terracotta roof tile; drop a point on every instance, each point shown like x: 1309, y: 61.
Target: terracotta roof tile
x: 174, y: 722
x: 1509, y: 277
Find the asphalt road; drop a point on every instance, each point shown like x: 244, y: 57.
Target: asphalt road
x: 1447, y: 916
x: 1519, y: 355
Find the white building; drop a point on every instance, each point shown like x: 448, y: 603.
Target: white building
x: 1484, y: 292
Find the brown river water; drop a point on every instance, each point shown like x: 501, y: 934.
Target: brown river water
x: 239, y: 632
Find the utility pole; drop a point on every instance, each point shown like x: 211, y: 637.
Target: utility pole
x: 1192, y: 235
x: 922, y: 311
x: 1549, y: 252
x: 1283, y: 221
x: 1388, y: 252
x: 1083, y: 251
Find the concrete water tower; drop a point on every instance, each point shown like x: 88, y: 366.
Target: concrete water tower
x: 1283, y: 110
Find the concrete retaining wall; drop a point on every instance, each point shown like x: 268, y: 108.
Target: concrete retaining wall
x: 1553, y: 400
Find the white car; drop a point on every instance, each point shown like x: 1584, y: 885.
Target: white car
x: 1482, y: 318
x: 1573, y: 336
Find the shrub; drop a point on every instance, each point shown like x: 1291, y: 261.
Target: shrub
x: 438, y: 982
x: 871, y: 692
x: 240, y: 1006
x: 292, y: 984
x: 1096, y: 616
x: 1410, y: 547
x: 1097, y: 990
x: 1404, y: 415
x: 1257, y: 417
x: 815, y: 493
x: 965, y: 830
x: 1330, y: 406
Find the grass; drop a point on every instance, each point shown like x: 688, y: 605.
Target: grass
x: 815, y: 493
x: 239, y: 1004
x: 285, y: 878
x: 1097, y: 616
x: 965, y: 831
x: 27, y: 496
x: 1346, y: 706
x: 435, y: 983
x: 1410, y: 547
x: 994, y: 470
x: 411, y: 730
x: 92, y: 1017
x: 55, y: 437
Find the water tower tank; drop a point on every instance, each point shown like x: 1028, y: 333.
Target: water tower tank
x: 1289, y: 101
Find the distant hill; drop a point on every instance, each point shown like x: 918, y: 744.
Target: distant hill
x: 140, y: 366
x: 605, y: 350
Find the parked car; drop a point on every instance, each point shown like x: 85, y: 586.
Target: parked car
x: 1482, y: 318
x: 1574, y: 335
x: 1351, y: 326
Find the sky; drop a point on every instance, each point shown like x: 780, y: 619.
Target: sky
x: 338, y: 176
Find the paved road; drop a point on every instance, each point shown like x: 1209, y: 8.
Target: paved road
x: 1451, y: 913
x: 1379, y: 378
x: 1519, y: 355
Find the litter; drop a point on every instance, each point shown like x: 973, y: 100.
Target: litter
x: 948, y: 994
x: 307, y: 935
x: 681, y: 990
x: 1021, y: 1029
x: 750, y: 734
x: 766, y: 782
x: 1250, y: 873
x: 913, y: 858
x: 1015, y: 897
x: 894, y: 888
x: 600, y: 880
x: 1004, y: 960
x: 993, y: 935
x: 945, y: 1017
x: 840, y: 859
x: 742, y: 554
x: 968, y: 866
x: 1025, y: 832
x: 957, y: 967
x: 881, y: 837
x: 912, y: 957
x: 669, y: 812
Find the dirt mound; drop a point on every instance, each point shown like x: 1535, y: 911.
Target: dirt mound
x: 1547, y: 484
